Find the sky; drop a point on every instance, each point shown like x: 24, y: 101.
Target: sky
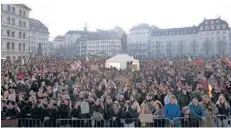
x: 61, y: 16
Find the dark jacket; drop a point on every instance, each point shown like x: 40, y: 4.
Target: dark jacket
x: 38, y: 113
x: 128, y: 116
x: 26, y: 112
x: 64, y: 111
x: 184, y: 99
x: 223, y: 111
x: 76, y: 113
x: 52, y: 113
x: 108, y: 109
x: 12, y: 113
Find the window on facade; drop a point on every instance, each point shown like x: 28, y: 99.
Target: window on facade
x: 8, y: 33
x: 223, y: 26
x: 24, y: 13
x: 218, y: 27
x: 8, y: 46
x: 8, y: 8
x: 13, y: 10
x: 24, y: 24
x: 212, y: 27
x: 20, y: 23
x: 13, y: 34
x: 224, y: 37
x: 24, y: 46
x: 218, y: 32
x: 20, y: 12
x: 206, y: 22
x: 8, y: 20
x: 206, y: 27
x: 224, y: 32
x: 13, y: 21
x: 20, y: 35
x: 12, y: 46
x: 19, y: 46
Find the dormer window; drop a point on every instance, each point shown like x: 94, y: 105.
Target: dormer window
x: 223, y: 26
x: 201, y: 28
x: 218, y: 27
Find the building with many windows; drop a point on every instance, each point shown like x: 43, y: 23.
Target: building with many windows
x: 209, y: 38
x: 15, y: 30
x: 39, y: 38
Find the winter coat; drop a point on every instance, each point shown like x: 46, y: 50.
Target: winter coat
x: 223, y: 111
x: 76, y: 113
x: 197, y: 111
x: 184, y: 99
x: 64, y: 111
x: 108, y: 109
x: 172, y: 111
x: 52, y: 113
x: 12, y: 113
x: 210, y: 111
x: 38, y: 113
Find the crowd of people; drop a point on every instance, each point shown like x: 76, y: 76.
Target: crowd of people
x: 180, y: 91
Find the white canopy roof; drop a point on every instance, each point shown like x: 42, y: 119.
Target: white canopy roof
x: 121, y: 58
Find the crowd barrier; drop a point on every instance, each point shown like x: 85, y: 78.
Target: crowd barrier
x: 211, y: 121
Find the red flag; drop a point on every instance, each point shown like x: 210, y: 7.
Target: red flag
x: 43, y: 68
x: 21, y: 76
x: 227, y: 60
x: 197, y: 62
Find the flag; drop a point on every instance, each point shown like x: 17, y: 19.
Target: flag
x: 197, y: 62
x: 189, y: 58
x: 210, y: 90
x: 23, y: 62
x: 87, y: 58
x: 43, y: 68
x: 227, y: 60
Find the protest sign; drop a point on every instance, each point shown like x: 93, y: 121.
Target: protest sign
x: 94, y: 67
x: 84, y: 107
x: 146, y: 118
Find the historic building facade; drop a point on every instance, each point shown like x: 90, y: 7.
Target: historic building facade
x: 15, y: 30
x: 209, y: 38
x: 39, y: 38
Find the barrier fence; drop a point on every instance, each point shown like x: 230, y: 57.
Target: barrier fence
x: 211, y: 121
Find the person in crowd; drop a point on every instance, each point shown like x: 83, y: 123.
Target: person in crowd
x: 38, y: 112
x: 172, y: 111
x: 108, y: 109
x: 188, y: 118
x: 158, y: 114
x: 3, y: 109
x: 98, y: 113
x: 128, y: 115
x: 51, y: 114
x: 13, y: 111
x: 198, y: 93
x: 134, y: 105
x: 210, y: 110
x: 76, y: 114
x: 64, y: 109
x: 223, y: 111
x: 116, y: 115
x: 197, y: 111
x: 184, y: 98
x: 167, y: 98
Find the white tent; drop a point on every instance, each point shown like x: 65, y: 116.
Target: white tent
x: 119, y: 61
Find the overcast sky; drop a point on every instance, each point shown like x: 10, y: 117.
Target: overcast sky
x: 63, y: 15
